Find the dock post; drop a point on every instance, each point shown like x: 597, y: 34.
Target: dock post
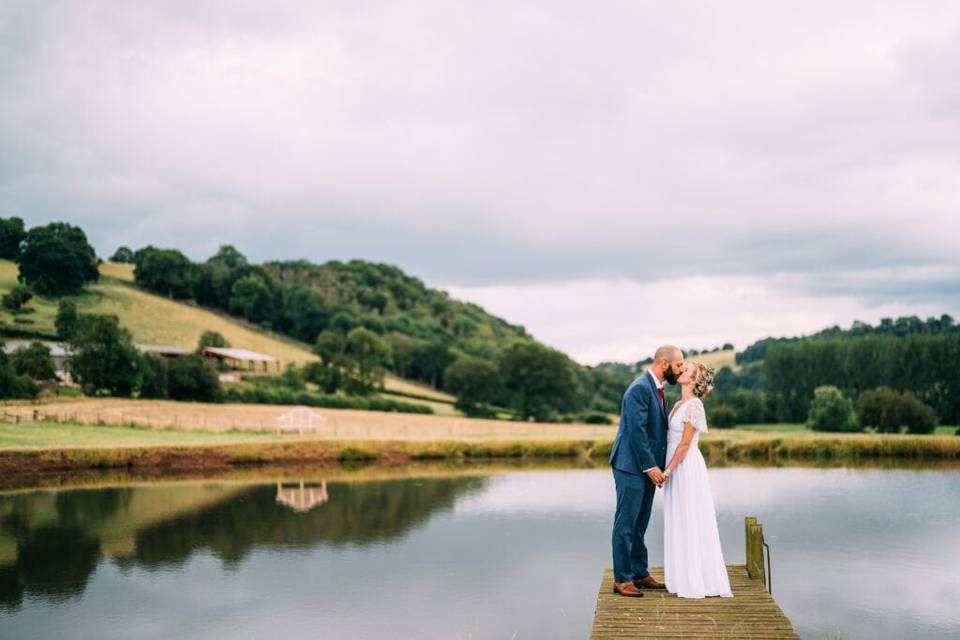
x: 754, y: 549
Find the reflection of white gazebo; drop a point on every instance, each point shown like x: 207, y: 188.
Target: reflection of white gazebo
x: 302, y: 498
x: 301, y: 419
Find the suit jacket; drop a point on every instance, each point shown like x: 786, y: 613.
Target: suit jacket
x: 641, y: 441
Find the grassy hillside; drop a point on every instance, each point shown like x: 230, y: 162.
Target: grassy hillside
x: 717, y: 359
x: 154, y: 319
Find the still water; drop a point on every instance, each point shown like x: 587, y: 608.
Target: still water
x: 511, y: 554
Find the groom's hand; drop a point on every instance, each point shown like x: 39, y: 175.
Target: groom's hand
x: 657, y: 476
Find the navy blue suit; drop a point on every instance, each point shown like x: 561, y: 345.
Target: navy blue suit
x: 641, y: 443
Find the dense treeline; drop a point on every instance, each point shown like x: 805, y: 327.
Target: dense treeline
x: 416, y: 332
x: 924, y: 365
x: 888, y: 327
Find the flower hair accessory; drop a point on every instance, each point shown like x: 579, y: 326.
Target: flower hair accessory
x: 704, y: 384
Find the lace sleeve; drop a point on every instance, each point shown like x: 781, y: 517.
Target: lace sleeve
x: 696, y: 415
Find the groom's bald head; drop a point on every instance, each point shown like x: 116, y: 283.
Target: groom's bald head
x: 667, y: 363
x: 667, y: 352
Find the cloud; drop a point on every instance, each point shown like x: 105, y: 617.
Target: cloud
x: 623, y: 320
x: 503, y: 144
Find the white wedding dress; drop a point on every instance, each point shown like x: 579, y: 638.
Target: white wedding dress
x: 693, y: 559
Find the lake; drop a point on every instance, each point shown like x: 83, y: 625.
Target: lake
x: 857, y: 553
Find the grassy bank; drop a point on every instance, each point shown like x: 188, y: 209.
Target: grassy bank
x: 42, y: 447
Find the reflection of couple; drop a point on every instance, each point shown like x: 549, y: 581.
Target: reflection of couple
x: 647, y: 439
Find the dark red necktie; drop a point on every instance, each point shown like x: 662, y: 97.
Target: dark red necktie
x: 662, y: 401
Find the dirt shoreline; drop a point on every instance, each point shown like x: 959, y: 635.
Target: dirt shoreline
x: 18, y: 464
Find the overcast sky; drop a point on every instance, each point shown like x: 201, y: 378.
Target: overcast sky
x: 611, y: 175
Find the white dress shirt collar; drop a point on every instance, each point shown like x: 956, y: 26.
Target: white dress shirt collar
x: 656, y: 380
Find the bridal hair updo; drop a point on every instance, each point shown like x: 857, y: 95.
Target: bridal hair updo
x: 703, y: 382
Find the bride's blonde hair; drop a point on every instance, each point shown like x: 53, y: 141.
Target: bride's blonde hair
x: 703, y: 382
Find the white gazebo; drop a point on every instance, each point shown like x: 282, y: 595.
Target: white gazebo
x: 301, y: 419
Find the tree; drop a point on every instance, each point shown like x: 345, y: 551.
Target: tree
x: 405, y: 349
x: 66, y: 319
x: 250, y: 297
x: 13, y: 385
x: 103, y: 357
x: 831, y: 411
x: 18, y: 296
x: 328, y: 373
x: 212, y: 339
x: 228, y: 256
x: 12, y: 233
x: 431, y: 361
x: 538, y: 379
x: 123, y: 255
x: 723, y: 416
x: 367, y: 356
x: 152, y: 378
x: 57, y: 260
x: 292, y: 377
x: 889, y: 411
x: 475, y: 382
x: 34, y: 361
x: 164, y: 271
x: 193, y: 378
x: 303, y: 312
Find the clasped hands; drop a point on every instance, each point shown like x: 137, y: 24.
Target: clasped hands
x: 658, y: 477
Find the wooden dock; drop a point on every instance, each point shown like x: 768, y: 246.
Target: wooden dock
x: 751, y: 613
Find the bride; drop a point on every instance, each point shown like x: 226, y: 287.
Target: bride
x: 693, y: 560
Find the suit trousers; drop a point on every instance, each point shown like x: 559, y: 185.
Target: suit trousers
x: 634, y: 505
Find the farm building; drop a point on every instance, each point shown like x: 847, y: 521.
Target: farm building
x: 165, y: 351
x: 58, y: 351
x: 242, y: 359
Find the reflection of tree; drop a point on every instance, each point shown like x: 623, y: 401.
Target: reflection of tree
x: 90, y: 507
x: 58, y: 546
x: 56, y: 558
x: 360, y: 513
x: 53, y: 561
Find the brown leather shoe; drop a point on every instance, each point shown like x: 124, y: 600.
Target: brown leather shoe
x: 648, y: 583
x: 627, y: 589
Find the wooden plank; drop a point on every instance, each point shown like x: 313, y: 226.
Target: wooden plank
x: 751, y: 613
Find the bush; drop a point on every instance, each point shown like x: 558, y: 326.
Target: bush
x: 193, y: 378
x: 34, y: 361
x: 597, y: 418
x: 722, y: 416
x: 152, y: 376
x: 831, y: 411
x: 212, y: 339
x: 18, y: 296
x: 67, y: 319
x: 890, y: 411
x: 281, y: 395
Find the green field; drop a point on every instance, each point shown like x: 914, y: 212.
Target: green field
x: 798, y: 429
x: 17, y: 436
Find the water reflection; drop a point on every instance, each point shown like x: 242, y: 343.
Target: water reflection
x: 491, y: 554
x: 302, y: 498
x: 51, y: 543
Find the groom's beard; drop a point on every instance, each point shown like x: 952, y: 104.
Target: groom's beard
x: 670, y: 376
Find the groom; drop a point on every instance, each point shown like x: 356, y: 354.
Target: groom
x: 638, y: 457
